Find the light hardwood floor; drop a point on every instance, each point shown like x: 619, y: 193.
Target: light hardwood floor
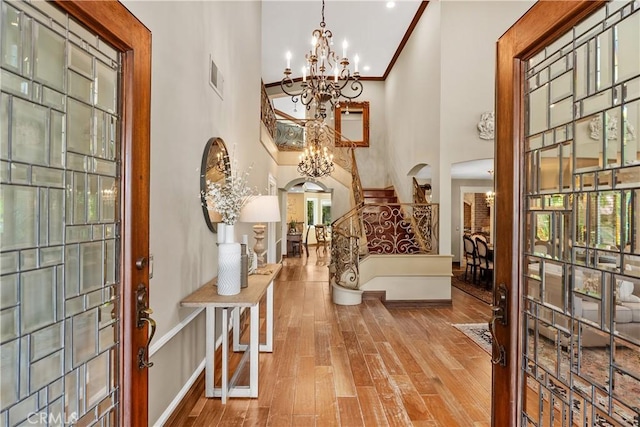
x: 360, y: 365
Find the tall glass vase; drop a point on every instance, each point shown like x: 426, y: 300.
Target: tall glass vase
x: 228, y: 262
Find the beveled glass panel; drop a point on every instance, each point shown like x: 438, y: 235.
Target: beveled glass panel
x: 77, y: 162
x: 80, y: 61
x: 631, y: 89
x: 29, y: 130
x: 607, y: 220
x: 588, y: 143
x: 106, y: 87
x: 51, y: 256
x: 11, y: 38
x: 594, y: 364
x: 79, y: 198
x: 110, y: 261
x: 550, y: 169
x: 56, y: 216
x: 561, y: 112
x: 97, y: 379
x: 8, y: 324
x: 84, y: 336
x: 49, y: 57
x: 566, y: 166
x: 554, y: 287
x: 538, y: 108
x: 14, y: 84
x: 8, y: 290
x: 53, y: 98
x: 581, y: 71
x: 79, y: 138
x: 108, y: 197
x: 78, y: 233
x: 531, y: 171
x: 534, y: 142
x: 605, y: 180
x: 37, y: 299
x: 91, y: 275
x: 19, y: 218
x: 46, y: 341
x: 80, y: 87
x: 47, y: 177
x: 604, y: 60
x: 56, y: 140
x: 533, y: 289
x: 597, y: 102
x: 561, y: 87
x: 4, y: 126
x: 612, y: 137
x: 93, y: 196
x: 8, y: 372
x: 628, y: 47
x: 629, y: 131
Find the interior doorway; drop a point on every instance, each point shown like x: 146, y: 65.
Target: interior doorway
x: 307, y: 205
x: 476, y: 214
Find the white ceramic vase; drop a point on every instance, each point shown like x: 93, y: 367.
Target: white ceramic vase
x: 228, y: 262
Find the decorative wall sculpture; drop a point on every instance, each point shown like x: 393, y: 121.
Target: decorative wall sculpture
x: 486, y: 125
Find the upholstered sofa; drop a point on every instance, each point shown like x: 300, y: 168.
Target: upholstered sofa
x: 627, y: 304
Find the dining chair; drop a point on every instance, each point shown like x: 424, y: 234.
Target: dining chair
x: 485, y: 263
x: 306, y: 240
x: 322, y: 237
x: 471, y: 257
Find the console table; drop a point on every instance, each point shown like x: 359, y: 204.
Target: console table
x: 207, y: 297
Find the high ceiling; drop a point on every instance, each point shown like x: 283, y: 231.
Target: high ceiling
x: 372, y: 30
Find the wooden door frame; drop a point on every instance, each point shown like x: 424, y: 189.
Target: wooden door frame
x: 542, y: 24
x: 115, y: 24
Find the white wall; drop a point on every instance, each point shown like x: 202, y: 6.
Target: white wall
x: 185, y: 113
x: 372, y: 164
x: 412, y: 96
x: 436, y: 92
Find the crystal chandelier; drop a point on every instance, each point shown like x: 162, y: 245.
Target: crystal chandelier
x: 315, y: 161
x: 318, y: 88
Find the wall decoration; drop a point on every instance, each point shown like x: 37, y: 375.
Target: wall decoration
x: 486, y: 125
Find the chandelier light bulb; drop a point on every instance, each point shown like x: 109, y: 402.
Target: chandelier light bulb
x: 304, y: 73
x: 344, y: 48
x: 356, y: 59
x: 288, y: 59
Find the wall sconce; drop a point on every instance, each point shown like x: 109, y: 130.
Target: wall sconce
x: 489, y: 196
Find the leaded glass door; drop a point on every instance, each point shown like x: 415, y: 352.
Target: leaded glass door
x: 578, y: 269
x: 65, y: 331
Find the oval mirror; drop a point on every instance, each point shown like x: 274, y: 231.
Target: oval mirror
x: 215, y: 168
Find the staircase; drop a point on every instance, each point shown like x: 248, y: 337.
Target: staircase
x: 386, y: 229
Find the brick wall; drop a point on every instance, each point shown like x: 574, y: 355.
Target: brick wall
x: 481, y: 214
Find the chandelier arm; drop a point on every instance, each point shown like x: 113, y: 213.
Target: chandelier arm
x: 356, y: 87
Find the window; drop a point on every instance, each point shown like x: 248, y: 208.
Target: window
x: 325, y: 205
x: 312, y: 217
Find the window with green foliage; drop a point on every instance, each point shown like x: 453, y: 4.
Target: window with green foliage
x: 326, y: 211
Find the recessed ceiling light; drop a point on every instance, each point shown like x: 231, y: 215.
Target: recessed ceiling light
x: 391, y: 4
x: 366, y: 68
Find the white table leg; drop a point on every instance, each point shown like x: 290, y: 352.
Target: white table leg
x: 225, y: 354
x: 236, y: 329
x: 269, y: 319
x: 210, y: 344
x: 254, y: 348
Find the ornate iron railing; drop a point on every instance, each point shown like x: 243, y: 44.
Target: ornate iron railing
x: 267, y: 113
x: 381, y: 228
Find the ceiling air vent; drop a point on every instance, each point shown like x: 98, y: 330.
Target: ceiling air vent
x: 215, y: 78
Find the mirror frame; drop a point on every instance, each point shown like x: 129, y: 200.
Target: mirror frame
x: 337, y: 122
x: 211, y: 148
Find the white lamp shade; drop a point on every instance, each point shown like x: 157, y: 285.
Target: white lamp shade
x: 261, y: 209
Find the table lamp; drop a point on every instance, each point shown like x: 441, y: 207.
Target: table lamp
x: 260, y: 209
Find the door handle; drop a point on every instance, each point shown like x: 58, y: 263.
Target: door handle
x: 143, y: 318
x: 499, y: 310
